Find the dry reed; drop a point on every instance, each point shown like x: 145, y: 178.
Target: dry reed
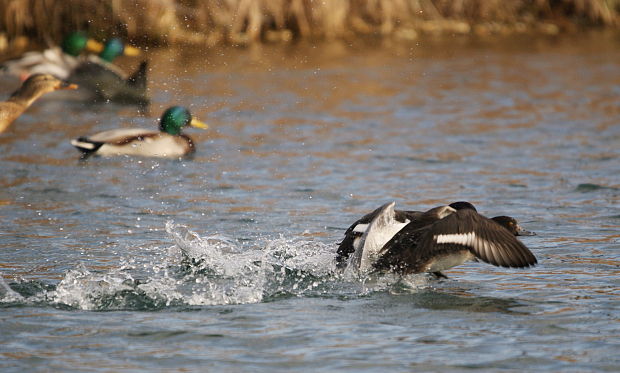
x: 211, y: 22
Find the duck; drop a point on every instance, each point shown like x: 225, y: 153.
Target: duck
x: 99, y: 79
x: 102, y: 81
x: 59, y: 61
x: 406, y: 242
x: 31, y: 89
x: 354, y: 233
x: 168, y: 142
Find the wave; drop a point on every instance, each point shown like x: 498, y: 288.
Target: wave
x: 205, y: 271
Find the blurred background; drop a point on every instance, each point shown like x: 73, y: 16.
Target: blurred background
x: 319, y: 112
x: 26, y: 23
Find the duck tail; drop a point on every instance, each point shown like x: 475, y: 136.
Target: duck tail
x: 138, y: 78
x: 86, y: 146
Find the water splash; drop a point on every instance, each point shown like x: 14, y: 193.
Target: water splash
x: 209, y: 270
x: 8, y: 295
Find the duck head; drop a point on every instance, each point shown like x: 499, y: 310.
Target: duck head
x: 175, y: 118
x: 76, y: 42
x: 115, y: 47
x: 37, y: 85
x: 511, y: 224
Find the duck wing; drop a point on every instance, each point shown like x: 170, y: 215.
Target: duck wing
x: 380, y: 230
x: 411, y: 249
x: 118, y: 137
x: 400, y: 253
x: 108, y: 82
x: 354, y: 233
x: 351, y: 235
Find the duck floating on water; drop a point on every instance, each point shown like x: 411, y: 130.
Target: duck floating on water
x: 99, y: 79
x: 105, y: 81
x: 32, y: 88
x: 407, y: 242
x: 168, y: 142
x: 57, y: 61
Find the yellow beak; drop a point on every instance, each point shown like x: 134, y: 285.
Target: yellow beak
x: 131, y: 51
x: 67, y: 85
x: 94, y: 46
x: 198, y: 124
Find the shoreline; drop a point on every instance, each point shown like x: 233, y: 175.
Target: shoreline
x: 144, y: 23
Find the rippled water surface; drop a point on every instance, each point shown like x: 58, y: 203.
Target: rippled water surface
x: 224, y: 262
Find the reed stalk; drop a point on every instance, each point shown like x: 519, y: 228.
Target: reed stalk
x: 162, y: 22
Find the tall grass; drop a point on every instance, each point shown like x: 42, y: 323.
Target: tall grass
x: 241, y: 21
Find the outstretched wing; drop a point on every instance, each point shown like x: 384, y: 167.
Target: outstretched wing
x: 355, y: 231
x: 353, y: 235
x: 412, y: 247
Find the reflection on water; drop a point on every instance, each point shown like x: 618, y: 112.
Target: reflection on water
x: 303, y: 140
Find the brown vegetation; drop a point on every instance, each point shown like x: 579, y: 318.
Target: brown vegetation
x: 211, y: 22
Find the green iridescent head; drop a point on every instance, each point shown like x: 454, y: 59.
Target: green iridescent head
x: 76, y: 42
x: 177, y: 117
x: 115, y: 47
x: 112, y: 49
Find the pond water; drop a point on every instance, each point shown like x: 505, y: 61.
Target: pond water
x: 304, y: 139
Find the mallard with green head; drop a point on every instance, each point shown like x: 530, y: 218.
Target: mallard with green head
x: 32, y: 88
x: 168, y: 142
x: 98, y: 77
x: 58, y: 61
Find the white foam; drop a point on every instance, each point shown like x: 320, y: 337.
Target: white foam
x: 8, y: 295
x: 220, y: 271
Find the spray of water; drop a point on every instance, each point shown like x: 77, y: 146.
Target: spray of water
x: 210, y: 270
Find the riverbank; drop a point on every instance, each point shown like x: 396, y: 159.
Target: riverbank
x: 32, y: 23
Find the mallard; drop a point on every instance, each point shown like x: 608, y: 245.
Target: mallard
x: 168, y: 142
x: 99, y: 79
x: 58, y: 61
x: 31, y: 89
x: 105, y: 82
x: 432, y: 241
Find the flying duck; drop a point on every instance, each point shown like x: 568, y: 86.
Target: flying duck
x: 31, y: 89
x: 168, y: 142
x: 443, y: 237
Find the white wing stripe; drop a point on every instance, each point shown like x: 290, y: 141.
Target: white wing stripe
x: 82, y: 144
x: 466, y: 239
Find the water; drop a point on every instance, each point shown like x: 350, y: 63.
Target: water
x: 225, y: 262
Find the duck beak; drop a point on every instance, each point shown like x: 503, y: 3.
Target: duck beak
x: 523, y: 232
x: 67, y: 85
x: 94, y: 46
x: 198, y: 124
x: 131, y: 51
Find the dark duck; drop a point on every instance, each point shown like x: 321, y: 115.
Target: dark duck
x: 405, y: 242
x: 105, y: 81
x: 100, y: 80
